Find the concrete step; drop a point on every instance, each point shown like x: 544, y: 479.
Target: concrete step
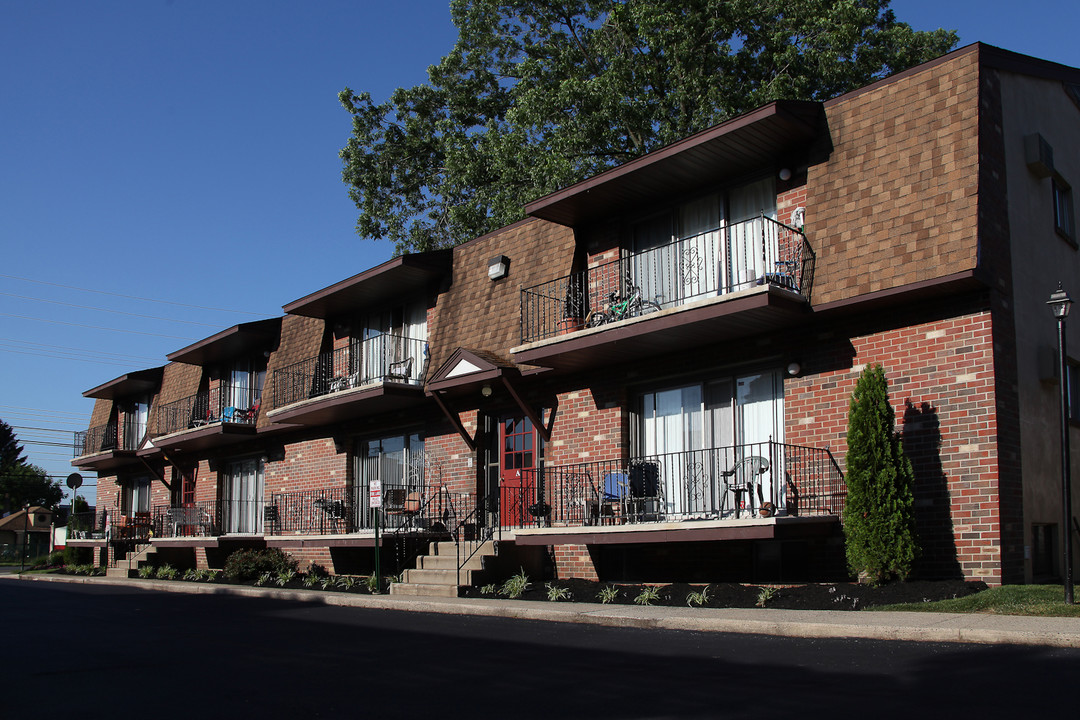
x: 450, y: 549
x: 121, y: 572
x: 441, y: 577
x: 448, y: 562
x: 424, y: 590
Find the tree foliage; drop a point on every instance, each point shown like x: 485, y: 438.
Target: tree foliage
x: 879, y: 524
x: 538, y: 94
x: 20, y: 482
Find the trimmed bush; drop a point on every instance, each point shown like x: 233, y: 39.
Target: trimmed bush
x: 248, y: 565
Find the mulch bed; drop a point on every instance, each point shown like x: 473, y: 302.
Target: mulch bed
x: 823, y: 596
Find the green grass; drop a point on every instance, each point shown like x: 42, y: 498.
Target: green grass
x: 1036, y: 600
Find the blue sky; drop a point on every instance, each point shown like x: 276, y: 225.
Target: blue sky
x: 170, y: 168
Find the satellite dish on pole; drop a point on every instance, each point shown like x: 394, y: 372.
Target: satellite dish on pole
x: 74, y: 481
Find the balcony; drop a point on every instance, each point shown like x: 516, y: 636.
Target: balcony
x: 105, y: 448
x: 734, y: 281
x: 220, y: 416
x: 754, y: 491
x: 86, y: 527
x: 382, y: 373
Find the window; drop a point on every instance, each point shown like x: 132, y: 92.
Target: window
x: 715, y: 244
x: 1063, y: 209
x: 242, y: 390
x: 392, y: 342
x: 242, y: 496
x: 710, y: 423
x: 396, y: 460
x: 135, y: 496
x: 135, y: 416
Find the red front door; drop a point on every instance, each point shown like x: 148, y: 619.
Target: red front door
x: 517, y: 457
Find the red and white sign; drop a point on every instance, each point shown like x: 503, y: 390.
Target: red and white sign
x: 375, y: 493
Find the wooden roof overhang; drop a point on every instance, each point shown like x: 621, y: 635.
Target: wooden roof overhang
x: 779, y: 528
x: 350, y: 404
x: 237, y: 341
x: 763, y: 309
x: 782, y: 132
x: 397, y: 278
x: 140, y: 382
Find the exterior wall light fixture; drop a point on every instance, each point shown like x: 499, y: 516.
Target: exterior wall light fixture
x: 793, y: 369
x: 485, y: 391
x: 498, y: 267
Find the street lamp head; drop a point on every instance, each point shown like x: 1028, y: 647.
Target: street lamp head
x: 1059, y: 303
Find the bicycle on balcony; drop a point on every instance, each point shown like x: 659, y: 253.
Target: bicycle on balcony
x: 620, y: 307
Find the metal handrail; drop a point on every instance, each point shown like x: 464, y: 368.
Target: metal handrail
x: 732, y: 257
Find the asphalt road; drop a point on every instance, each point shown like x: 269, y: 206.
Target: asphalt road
x: 112, y: 652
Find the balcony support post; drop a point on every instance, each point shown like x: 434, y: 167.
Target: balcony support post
x: 454, y: 420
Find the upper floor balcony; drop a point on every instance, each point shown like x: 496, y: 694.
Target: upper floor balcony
x: 384, y: 372
x: 735, y: 280
x: 221, y: 415
x: 105, y: 447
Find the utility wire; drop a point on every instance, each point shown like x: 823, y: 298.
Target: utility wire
x: 87, y: 351
x: 129, y: 297
x: 95, y: 327
x: 101, y: 309
x: 114, y: 363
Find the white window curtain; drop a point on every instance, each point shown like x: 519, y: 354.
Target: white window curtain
x: 701, y: 255
x: 243, y: 497
x: 654, y: 264
x: 749, y: 239
x: 672, y: 424
x: 760, y: 404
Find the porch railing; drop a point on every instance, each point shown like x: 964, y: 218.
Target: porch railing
x: 384, y: 358
x: 227, y: 403
x: 99, y: 439
x: 195, y: 519
x: 87, y: 526
x: 342, y: 510
x: 720, y: 261
x: 760, y: 479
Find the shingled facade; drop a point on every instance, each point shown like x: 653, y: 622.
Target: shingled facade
x: 648, y: 378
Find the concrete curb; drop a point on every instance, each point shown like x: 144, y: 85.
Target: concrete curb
x: 906, y: 626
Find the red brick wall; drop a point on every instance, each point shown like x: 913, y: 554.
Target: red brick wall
x: 941, y: 384
x: 574, y: 561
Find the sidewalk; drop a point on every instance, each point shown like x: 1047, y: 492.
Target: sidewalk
x: 914, y: 626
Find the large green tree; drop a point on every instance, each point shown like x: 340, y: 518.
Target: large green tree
x: 879, y: 524
x: 20, y: 482
x: 538, y: 94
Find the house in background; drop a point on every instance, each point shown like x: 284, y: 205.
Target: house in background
x: 26, y: 532
x: 648, y: 378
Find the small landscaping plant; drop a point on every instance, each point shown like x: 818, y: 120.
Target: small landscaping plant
x: 285, y: 577
x: 147, y: 571
x: 191, y: 575
x: 167, y: 572
x: 648, y: 595
x: 698, y: 598
x: 765, y: 594
x: 515, y: 585
x: 556, y: 593
x: 607, y: 594
x: 489, y: 589
x: 310, y: 581
x: 263, y: 579
x: 372, y: 582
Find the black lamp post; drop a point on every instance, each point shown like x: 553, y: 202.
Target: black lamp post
x: 1059, y: 303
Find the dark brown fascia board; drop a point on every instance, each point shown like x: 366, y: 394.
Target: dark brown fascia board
x: 796, y: 113
x: 230, y: 343
x: 394, y: 278
x: 1001, y: 59
x: 133, y: 383
x: 962, y: 281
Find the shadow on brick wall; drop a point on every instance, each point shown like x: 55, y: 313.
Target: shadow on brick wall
x: 933, y: 518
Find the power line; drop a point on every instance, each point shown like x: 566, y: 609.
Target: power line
x: 80, y: 350
x: 100, y: 309
x: 24, y: 427
x: 129, y: 297
x: 39, y: 410
x: 94, y: 327
x: 114, y: 363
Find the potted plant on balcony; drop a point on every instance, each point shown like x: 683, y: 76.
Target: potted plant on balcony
x: 573, y: 317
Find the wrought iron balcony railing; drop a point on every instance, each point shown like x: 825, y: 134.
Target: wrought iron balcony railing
x: 343, y: 510
x: 227, y: 403
x: 730, y: 258
x: 102, y: 438
x: 383, y: 358
x: 87, y: 526
x: 759, y: 480
x: 196, y: 519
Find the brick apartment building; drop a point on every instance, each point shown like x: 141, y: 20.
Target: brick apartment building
x: 648, y: 378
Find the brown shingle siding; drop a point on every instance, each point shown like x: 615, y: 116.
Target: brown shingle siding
x: 896, y: 200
